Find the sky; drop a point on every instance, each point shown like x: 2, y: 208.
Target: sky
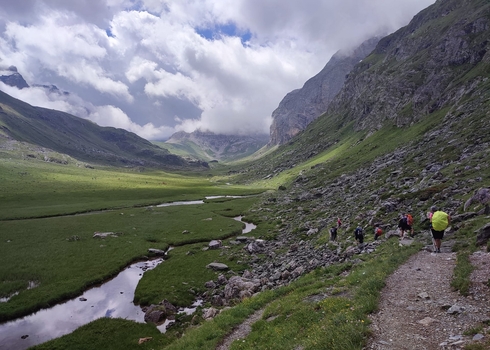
x: 155, y: 67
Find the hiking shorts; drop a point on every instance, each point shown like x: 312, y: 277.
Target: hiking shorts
x: 406, y: 227
x: 437, y: 234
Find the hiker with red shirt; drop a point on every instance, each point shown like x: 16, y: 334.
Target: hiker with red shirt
x: 377, y: 232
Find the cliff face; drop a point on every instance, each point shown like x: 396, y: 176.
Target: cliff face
x: 300, y: 107
x: 428, y: 79
x: 436, y: 61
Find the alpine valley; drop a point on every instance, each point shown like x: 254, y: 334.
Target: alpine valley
x: 396, y: 126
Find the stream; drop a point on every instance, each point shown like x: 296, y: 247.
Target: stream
x: 113, y: 298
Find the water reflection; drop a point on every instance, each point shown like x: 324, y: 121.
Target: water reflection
x: 112, y: 299
x: 248, y: 226
x: 194, y: 202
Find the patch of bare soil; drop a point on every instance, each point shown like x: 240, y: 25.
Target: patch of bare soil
x: 419, y: 310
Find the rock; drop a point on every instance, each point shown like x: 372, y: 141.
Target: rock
x: 222, y: 280
x: 209, y: 313
x: 312, y: 231
x: 217, y: 300
x: 106, y: 234
x: 481, y: 196
x: 423, y: 295
x: 210, y: 285
x: 483, y: 234
x: 455, y: 309
x: 426, y: 321
x: 217, y: 266
x: 478, y: 336
x: 144, y: 340
x: 185, y: 232
x: 156, y: 251
x: 215, y: 244
x: 158, y: 313
x: 82, y: 299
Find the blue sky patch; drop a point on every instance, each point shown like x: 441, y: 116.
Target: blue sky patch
x: 219, y: 30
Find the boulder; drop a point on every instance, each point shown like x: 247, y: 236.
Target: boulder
x: 215, y: 244
x: 158, y: 313
x: 483, y: 234
x: 217, y: 266
x: 209, y: 313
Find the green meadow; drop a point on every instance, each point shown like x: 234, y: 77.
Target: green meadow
x: 50, y: 212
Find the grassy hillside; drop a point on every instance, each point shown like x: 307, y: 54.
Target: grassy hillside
x: 80, y: 138
x: 185, y: 149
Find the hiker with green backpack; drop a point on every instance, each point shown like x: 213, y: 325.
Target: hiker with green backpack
x: 439, y: 222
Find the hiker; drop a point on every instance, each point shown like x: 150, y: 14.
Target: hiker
x: 359, y: 234
x: 377, y: 232
x: 333, y: 233
x: 339, y: 222
x: 405, y: 224
x: 439, y: 222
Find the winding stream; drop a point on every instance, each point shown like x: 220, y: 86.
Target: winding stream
x: 114, y: 299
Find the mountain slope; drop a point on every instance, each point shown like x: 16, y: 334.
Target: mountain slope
x: 428, y: 77
x: 300, y: 107
x: 211, y: 146
x: 81, y: 138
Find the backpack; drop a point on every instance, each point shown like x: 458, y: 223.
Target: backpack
x: 409, y: 219
x: 440, y: 221
x: 358, y: 231
x: 378, y: 231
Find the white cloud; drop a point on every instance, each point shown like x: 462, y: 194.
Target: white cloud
x: 154, y: 73
x: 70, y: 50
x: 113, y: 116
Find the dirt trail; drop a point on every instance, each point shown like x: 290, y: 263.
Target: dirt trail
x: 419, y: 310
x: 241, y: 331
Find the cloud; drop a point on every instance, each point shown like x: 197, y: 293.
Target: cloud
x: 154, y: 66
x: 102, y: 115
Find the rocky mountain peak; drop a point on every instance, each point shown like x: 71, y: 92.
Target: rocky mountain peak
x: 300, y: 107
x: 10, y: 76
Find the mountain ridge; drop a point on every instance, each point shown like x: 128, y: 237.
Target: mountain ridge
x: 217, y: 146
x: 81, y: 138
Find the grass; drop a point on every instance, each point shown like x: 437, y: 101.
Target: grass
x: 64, y: 259
x: 63, y: 267
x: 321, y: 310
x: 122, y: 334
x: 32, y: 188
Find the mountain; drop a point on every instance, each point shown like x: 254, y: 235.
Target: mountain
x: 409, y: 129
x: 428, y: 77
x: 10, y: 76
x: 300, y: 107
x: 211, y: 146
x: 82, y: 139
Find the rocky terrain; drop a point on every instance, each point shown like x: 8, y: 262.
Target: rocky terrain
x: 300, y: 107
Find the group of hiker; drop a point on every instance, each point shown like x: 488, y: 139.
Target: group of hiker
x: 439, y: 221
